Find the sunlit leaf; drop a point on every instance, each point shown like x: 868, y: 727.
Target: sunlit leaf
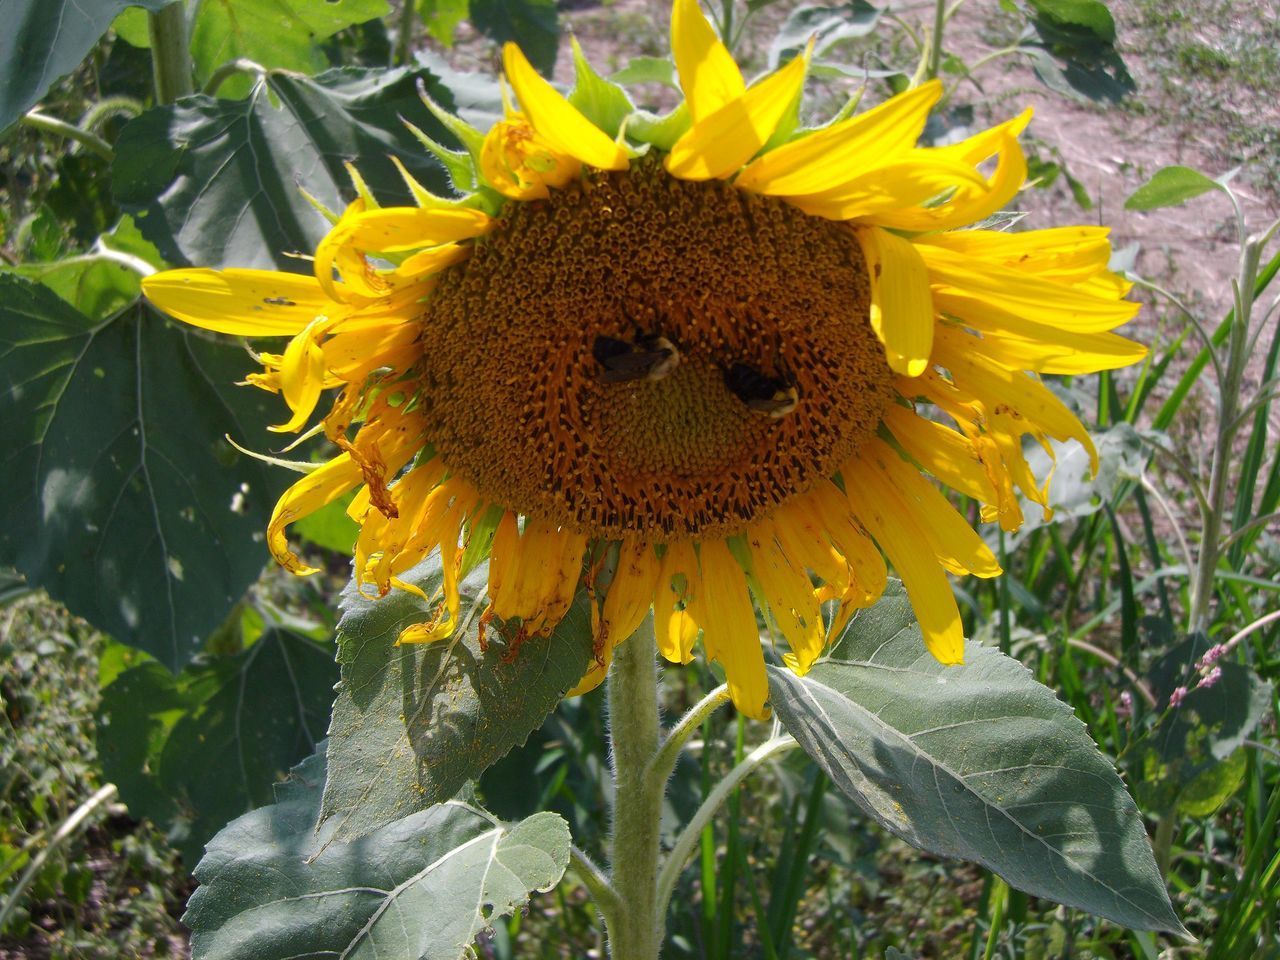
x: 123, y: 498
x: 216, y: 182
x: 441, y: 17
x: 413, y: 723
x: 978, y: 762
x: 1169, y: 187
x: 419, y: 888
x: 43, y: 40
x: 275, y: 33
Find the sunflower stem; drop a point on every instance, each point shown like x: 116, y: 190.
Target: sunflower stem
x: 637, y: 931
x: 170, y: 60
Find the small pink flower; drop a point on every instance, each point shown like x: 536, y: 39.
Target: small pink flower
x: 1210, y: 678
x: 1175, y: 698
x: 1125, y: 707
x: 1211, y: 656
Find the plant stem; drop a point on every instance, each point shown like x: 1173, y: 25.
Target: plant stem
x: 602, y: 892
x: 1211, y: 545
x: 170, y: 60
x: 42, y: 121
x: 637, y: 805
x: 229, y: 70
x: 404, y: 33
x: 934, y: 62
x: 688, y: 838
x: 664, y: 761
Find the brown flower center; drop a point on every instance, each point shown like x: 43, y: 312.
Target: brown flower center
x: 641, y: 355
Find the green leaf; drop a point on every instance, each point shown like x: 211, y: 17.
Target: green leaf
x: 279, y: 34
x: 978, y: 762
x: 1207, y: 728
x: 420, y: 887
x: 193, y: 751
x: 826, y: 25
x: 43, y: 40
x: 1206, y: 794
x: 1169, y: 187
x: 413, y: 723
x: 123, y: 498
x: 441, y: 18
x: 1090, y: 15
x: 533, y: 24
x: 215, y: 182
x: 94, y: 284
x: 330, y: 527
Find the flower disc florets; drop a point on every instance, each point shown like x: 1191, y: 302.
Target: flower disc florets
x: 607, y: 358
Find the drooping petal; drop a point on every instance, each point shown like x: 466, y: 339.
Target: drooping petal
x: 556, y: 120
x: 955, y: 544
x: 902, y: 313
x: 723, y: 609
x: 708, y: 75
x: 826, y: 159
x: 308, y: 495
x: 790, y: 598
x: 302, y: 376
x: 673, y: 621
x: 246, y: 303
x: 894, y: 528
x: 629, y: 598
x: 718, y: 145
x: 945, y: 453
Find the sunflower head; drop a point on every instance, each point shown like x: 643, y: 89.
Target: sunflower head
x: 724, y: 356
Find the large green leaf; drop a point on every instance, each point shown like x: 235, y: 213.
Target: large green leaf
x: 978, y: 762
x: 421, y: 887
x: 193, y: 751
x: 412, y: 724
x: 282, y: 34
x: 216, y: 182
x: 123, y: 498
x: 1170, y: 186
x: 43, y: 40
x: 1071, y: 45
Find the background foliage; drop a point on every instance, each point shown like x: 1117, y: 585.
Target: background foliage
x: 126, y: 503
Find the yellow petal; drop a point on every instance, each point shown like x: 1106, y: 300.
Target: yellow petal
x: 520, y: 164
x: 893, y: 186
x: 1033, y: 298
x: 790, y: 598
x: 955, y: 544
x: 673, y: 625
x: 972, y: 203
x: 927, y: 585
x: 945, y: 453
x: 302, y: 377
x: 723, y: 609
x: 901, y: 303
x: 305, y: 497
x: 1010, y: 393
x: 827, y: 158
x: 556, y: 120
x: 247, y: 303
x: 708, y: 76
x: 718, y: 145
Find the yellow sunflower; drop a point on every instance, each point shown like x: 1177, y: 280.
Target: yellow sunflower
x: 722, y: 354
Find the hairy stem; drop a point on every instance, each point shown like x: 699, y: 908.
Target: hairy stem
x: 86, y: 138
x: 636, y: 933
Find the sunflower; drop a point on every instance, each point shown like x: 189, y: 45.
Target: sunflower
x: 721, y: 355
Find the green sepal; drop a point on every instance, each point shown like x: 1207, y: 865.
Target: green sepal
x: 461, y: 167
x: 661, y: 132
x: 470, y: 138
x: 601, y: 101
